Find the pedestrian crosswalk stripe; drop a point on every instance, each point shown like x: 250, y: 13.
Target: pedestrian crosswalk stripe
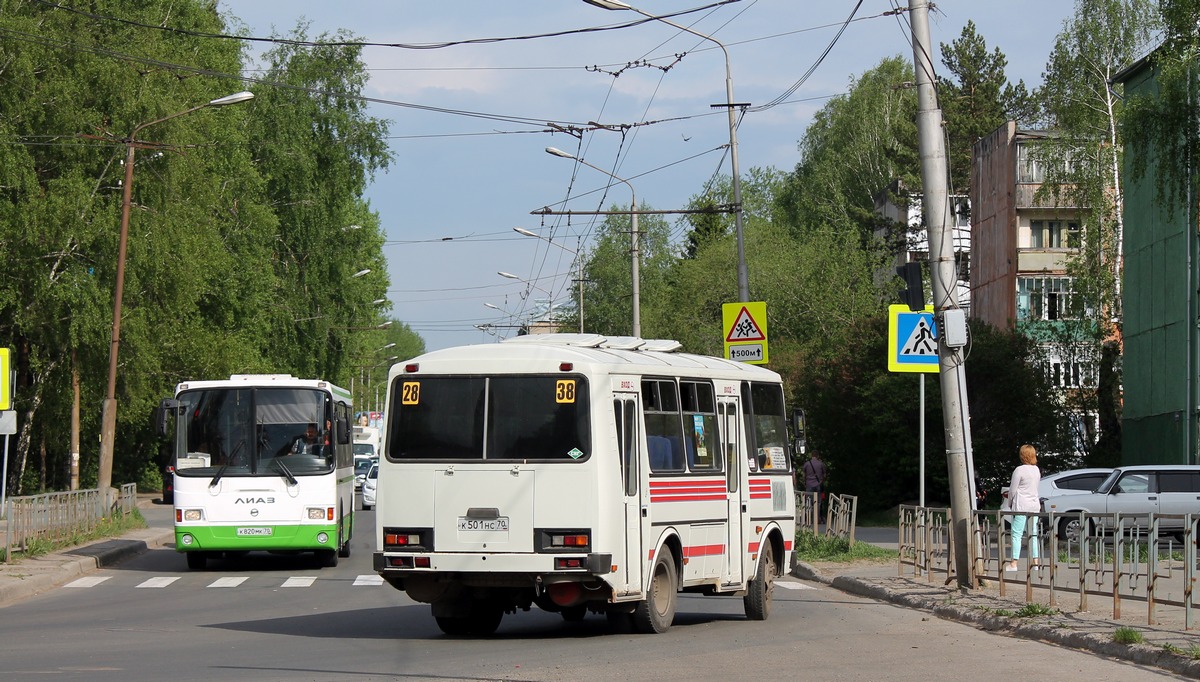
x: 793, y: 586
x: 161, y: 581
x: 372, y: 579
x: 232, y: 581
x: 300, y: 581
x: 89, y: 581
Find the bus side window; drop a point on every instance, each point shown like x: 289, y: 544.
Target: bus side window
x: 664, y: 432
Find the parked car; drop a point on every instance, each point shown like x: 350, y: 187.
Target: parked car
x: 1132, y: 490
x: 368, y: 488
x: 1070, y: 482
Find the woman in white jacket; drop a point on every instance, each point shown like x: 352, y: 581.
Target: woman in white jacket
x: 1023, y: 500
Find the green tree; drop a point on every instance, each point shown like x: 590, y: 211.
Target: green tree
x: 608, y: 275
x: 856, y: 146
x: 318, y: 148
x: 976, y: 99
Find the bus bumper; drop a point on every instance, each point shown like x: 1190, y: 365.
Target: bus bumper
x: 252, y: 538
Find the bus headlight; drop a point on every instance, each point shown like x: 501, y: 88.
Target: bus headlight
x: 193, y: 515
x: 322, y: 537
x: 316, y: 513
x: 187, y: 540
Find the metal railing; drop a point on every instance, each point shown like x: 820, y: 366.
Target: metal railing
x: 1120, y: 557
x: 58, y: 516
x: 841, y: 514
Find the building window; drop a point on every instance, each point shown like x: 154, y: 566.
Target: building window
x: 1045, y: 298
x: 1053, y: 234
x: 1032, y: 170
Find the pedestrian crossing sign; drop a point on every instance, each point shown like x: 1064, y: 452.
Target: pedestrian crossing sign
x: 912, y: 340
x: 745, y: 329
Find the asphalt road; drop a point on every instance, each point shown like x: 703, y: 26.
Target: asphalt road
x: 266, y: 617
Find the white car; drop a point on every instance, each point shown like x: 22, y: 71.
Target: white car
x: 1134, y: 491
x: 368, y: 487
x: 1070, y: 482
x: 361, y: 466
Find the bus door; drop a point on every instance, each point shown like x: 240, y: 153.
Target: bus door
x: 735, y: 475
x: 635, y: 505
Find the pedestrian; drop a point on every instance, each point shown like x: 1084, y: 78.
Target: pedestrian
x: 815, y: 473
x: 1024, y: 502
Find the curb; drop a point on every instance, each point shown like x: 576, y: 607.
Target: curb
x: 1142, y: 654
x: 54, y: 570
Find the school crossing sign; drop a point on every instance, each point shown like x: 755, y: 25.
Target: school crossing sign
x: 912, y: 340
x: 745, y: 329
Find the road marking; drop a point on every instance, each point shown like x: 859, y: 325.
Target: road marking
x: 793, y: 586
x: 161, y: 581
x: 300, y: 581
x: 90, y: 581
x: 233, y: 581
x: 368, y: 580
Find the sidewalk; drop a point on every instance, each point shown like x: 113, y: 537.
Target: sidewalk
x: 1167, y: 644
x: 29, y: 577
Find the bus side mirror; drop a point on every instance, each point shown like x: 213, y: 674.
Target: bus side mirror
x: 165, y: 408
x: 343, y: 435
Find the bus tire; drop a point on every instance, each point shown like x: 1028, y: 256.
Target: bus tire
x: 328, y: 557
x: 758, y: 597
x: 656, y: 612
x: 197, y: 560
x: 344, y: 550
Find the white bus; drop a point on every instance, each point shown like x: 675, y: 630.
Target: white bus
x: 580, y: 473
x: 261, y: 462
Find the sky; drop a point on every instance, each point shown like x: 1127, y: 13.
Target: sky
x: 470, y: 121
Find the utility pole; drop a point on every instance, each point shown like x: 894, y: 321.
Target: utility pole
x: 944, y: 281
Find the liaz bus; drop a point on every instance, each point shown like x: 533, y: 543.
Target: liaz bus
x: 582, y: 474
x: 261, y: 462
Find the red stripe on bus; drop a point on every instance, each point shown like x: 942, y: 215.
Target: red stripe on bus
x: 752, y: 547
x: 686, y: 498
x: 670, y: 485
x: 703, y: 550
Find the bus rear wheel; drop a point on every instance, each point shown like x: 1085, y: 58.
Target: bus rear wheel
x: 657, y: 612
x: 197, y: 560
x: 758, y: 597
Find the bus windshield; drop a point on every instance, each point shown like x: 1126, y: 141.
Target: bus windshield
x: 505, y: 418
x: 253, y: 432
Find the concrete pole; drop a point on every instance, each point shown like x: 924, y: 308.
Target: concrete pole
x: 935, y: 200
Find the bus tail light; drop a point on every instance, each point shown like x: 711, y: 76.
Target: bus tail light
x: 422, y: 562
x: 564, y: 539
x: 412, y: 367
x: 569, y: 563
x: 408, y: 539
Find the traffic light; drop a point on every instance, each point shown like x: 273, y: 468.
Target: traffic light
x: 914, y: 291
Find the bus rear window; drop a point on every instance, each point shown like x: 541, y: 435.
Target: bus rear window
x: 504, y: 418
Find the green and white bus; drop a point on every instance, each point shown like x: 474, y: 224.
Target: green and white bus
x: 261, y: 462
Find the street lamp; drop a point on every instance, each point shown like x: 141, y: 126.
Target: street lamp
x: 578, y: 261
x: 550, y: 296
x: 633, y: 215
x: 108, y: 422
x: 743, y: 274
x: 360, y: 273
